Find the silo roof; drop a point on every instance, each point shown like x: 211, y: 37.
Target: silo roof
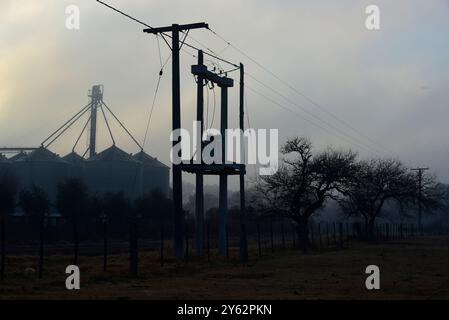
x: 42, y: 154
x: 18, y: 156
x: 145, y: 158
x: 73, y: 157
x: 112, y: 153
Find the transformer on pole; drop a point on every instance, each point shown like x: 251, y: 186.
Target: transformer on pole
x: 223, y: 169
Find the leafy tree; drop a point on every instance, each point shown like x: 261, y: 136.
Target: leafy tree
x: 8, y: 191
x: 35, y: 204
x: 154, y: 206
x: 303, y: 183
x: 117, y: 208
x: 72, y: 201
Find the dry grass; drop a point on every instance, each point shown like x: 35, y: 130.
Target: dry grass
x: 410, y: 269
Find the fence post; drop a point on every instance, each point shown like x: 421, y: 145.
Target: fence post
x: 208, y: 241
x: 186, y: 256
x: 340, y: 229
x: 258, y: 239
x: 105, y: 245
x: 294, y: 236
x: 41, y: 246
x: 387, y: 226
x: 227, y: 241
x: 76, y: 241
x: 283, y: 234
x: 3, y: 247
x: 133, y: 249
x: 311, y: 234
x: 319, y: 234
x: 327, y: 234
x: 162, y: 243
x: 271, y: 235
x: 335, y: 234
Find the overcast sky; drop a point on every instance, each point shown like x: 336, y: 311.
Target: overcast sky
x: 391, y: 85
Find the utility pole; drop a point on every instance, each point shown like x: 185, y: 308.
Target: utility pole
x: 243, y: 237
x: 223, y: 178
x: 420, y: 173
x: 199, y: 183
x: 178, y: 238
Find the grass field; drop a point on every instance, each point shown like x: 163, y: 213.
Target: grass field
x: 410, y: 269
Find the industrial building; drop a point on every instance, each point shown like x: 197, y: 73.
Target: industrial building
x: 112, y: 170
x: 109, y: 171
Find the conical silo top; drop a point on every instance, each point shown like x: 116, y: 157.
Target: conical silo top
x: 42, y: 154
x: 73, y: 158
x: 146, y: 159
x: 112, y: 153
x: 19, y: 156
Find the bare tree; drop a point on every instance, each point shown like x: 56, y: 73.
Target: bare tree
x: 377, y: 181
x: 303, y: 183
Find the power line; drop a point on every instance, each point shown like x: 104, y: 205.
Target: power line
x: 216, y: 56
x: 302, y: 117
x: 151, y: 110
x: 161, y: 72
x: 285, y: 83
x: 163, y: 34
x: 360, y: 142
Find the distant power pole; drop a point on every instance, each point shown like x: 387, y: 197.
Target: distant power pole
x: 420, y: 173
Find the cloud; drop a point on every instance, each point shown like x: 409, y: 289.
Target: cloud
x: 378, y: 82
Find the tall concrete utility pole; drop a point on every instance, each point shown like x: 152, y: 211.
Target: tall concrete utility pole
x: 420, y: 173
x: 178, y: 231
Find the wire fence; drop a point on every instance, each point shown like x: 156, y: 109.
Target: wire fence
x: 101, y: 239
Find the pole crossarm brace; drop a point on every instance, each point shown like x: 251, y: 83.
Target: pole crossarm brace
x: 214, y: 169
x: 179, y: 27
x: 201, y: 70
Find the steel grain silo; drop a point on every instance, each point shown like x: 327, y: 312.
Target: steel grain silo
x: 113, y: 170
x: 5, y: 165
x: 41, y: 168
x: 76, y: 165
x: 155, y: 174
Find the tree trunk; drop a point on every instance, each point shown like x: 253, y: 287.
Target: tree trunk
x: 303, y: 234
x: 370, y: 229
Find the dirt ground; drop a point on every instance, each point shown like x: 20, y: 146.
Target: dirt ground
x: 410, y: 269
